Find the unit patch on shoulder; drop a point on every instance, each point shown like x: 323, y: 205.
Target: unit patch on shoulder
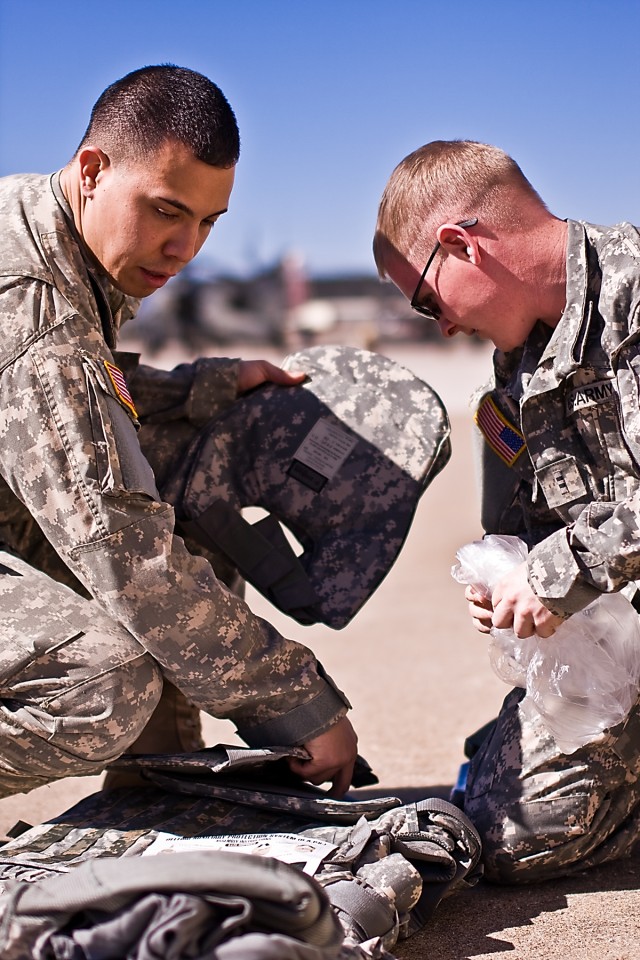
x: 503, y: 438
x: 120, y: 386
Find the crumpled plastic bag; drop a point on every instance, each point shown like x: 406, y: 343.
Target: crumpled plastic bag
x: 582, y: 680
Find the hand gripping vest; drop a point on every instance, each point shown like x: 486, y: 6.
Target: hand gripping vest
x: 340, y: 461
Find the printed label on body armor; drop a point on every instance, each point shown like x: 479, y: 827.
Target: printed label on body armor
x: 321, y: 454
x: 307, y: 853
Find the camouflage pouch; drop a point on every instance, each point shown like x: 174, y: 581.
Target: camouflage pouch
x: 393, y: 871
x: 339, y: 462
x: 253, y: 777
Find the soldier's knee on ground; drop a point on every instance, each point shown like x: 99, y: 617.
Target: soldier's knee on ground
x: 526, y: 842
x: 502, y: 862
x: 139, y: 692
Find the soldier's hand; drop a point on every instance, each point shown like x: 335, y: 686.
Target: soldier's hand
x: 480, y: 609
x: 515, y: 605
x: 251, y: 373
x: 333, y: 755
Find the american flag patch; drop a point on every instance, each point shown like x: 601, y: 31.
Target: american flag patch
x: 120, y: 386
x: 502, y: 436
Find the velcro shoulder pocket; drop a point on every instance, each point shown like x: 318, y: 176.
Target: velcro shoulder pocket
x: 122, y: 468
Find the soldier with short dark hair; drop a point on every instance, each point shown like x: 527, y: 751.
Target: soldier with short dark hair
x: 466, y: 238
x: 101, y: 604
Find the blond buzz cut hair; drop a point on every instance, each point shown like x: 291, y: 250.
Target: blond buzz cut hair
x: 447, y: 181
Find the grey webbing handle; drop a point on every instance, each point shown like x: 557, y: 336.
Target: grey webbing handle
x: 466, y: 828
x: 372, y: 914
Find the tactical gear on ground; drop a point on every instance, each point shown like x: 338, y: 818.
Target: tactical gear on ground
x: 387, y: 867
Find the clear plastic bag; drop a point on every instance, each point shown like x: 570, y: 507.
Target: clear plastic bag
x: 582, y: 680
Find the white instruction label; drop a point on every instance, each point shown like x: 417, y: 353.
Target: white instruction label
x: 306, y: 853
x: 325, y: 448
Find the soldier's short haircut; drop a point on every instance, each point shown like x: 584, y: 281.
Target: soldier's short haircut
x: 150, y: 106
x: 446, y: 180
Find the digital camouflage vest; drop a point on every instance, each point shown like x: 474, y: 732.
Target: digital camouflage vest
x: 340, y: 462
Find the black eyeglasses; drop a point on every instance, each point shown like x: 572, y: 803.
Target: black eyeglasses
x: 418, y: 307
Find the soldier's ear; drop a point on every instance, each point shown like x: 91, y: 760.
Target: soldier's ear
x: 458, y: 242
x: 92, y: 162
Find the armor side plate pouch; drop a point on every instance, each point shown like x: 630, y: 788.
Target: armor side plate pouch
x: 340, y: 461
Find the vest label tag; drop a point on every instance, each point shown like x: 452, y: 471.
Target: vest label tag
x: 325, y: 448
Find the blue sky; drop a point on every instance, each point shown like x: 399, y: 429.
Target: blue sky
x: 331, y: 94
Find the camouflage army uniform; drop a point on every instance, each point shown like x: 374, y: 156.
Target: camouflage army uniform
x: 573, y: 493
x: 80, y: 508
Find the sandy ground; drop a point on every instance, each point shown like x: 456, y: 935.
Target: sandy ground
x: 418, y: 677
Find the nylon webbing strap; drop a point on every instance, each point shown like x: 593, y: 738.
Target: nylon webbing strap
x: 260, y: 551
x: 373, y: 916
x: 293, y: 591
x: 467, y: 829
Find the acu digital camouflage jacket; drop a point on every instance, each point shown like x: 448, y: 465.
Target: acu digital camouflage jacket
x: 560, y: 429
x: 71, y: 466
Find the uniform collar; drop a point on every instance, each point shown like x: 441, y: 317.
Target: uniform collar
x: 119, y: 306
x: 550, y: 355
